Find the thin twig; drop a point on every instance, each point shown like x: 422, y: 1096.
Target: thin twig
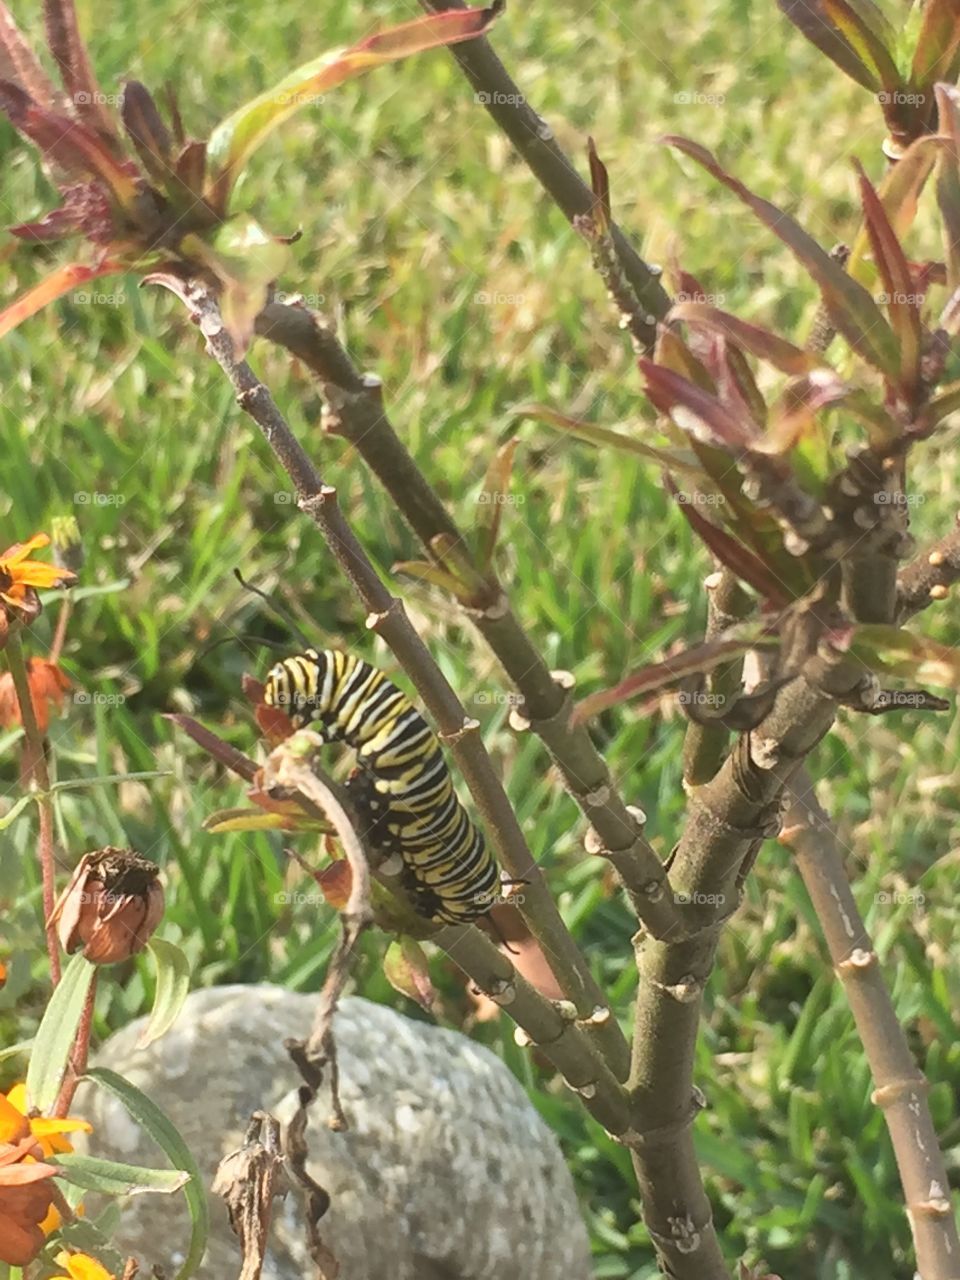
x: 387, y: 617
x: 534, y: 140
x: 901, y: 1088
x: 36, y: 770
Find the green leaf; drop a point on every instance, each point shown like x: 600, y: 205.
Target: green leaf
x: 246, y: 261
x: 245, y: 819
x: 868, y: 34
x: 10, y: 817
x: 817, y: 20
x: 899, y: 652
x: 173, y: 983
x: 899, y: 192
x: 14, y: 1050
x: 115, y: 1179
x: 938, y: 44
x: 56, y: 1033
x: 235, y: 139
x: 603, y: 437
x: 150, y: 1118
x: 490, y: 503
x: 109, y: 779
x: 407, y: 969
x: 850, y: 307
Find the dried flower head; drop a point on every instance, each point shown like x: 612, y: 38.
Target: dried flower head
x: 111, y: 906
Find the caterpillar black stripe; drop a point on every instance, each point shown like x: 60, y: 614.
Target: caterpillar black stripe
x: 402, y: 786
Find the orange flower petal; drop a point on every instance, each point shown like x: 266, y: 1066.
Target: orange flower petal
x: 20, y: 550
x: 13, y: 1123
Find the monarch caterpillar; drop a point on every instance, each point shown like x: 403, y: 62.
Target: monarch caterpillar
x: 402, y: 785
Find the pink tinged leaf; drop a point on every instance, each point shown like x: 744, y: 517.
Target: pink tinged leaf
x: 70, y: 54
x: 736, y: 386
x: 852, y: 310
x: 795, y: 412
x: 938, y: 44
x: 899, y: 191
x: 671, y: 352
x: 732, y: 553
x: 900, y: 297
x: 58, y: 224
x: 54, y: 286
x: 147, y: 131
x: 19, y: 64
x: 695, y: 411
x: 813, y: 20
x: 68, y: 144
x: 235, y: 139
x: 698, y: 660
x: 759, y: 342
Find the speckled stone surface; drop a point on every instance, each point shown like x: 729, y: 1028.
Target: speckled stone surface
x: 447, y: 1172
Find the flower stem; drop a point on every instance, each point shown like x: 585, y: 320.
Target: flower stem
x: 78, y: 1056
x: 35, y: 770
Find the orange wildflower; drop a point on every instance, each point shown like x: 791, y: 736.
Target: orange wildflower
x: 26, y: 1197
x: 21, y: 578
x: 47, y: 686
x: 80, y: 1266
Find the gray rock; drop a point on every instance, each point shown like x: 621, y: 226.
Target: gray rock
x: 446, y: 1173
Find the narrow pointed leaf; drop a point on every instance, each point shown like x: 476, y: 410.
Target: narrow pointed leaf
x: 600, y: 185
x: 111, y: 1178
x: 899, y: 652
x: 868, y: 34
x: 603, y: 438
x: 899, y: 192
x: 19, y: 64
x: 69, y: 144
x: 948, y: 180
x: 491, y: 501
x: 159, y: 1127
x: 763, y: 344
x: 737, y: 387
x: 227, y: 755
x: 407, y: 969
x: 813, y: 20
x: 700, y: 659
x: 148, y: 133
x: 673, y: 353
x: 14, y: 812
x: 70, y: 54
x: 695, y: 411
x: 54, y: 286
x: 852, y: 310
x: 173, y: 984
x: 55, y: 1035
x: 235, y: 139
x: 732, y: 553
x: 434, y: 574
x: 938, y: 44
x: 947, y: 402
x: 899, y: 289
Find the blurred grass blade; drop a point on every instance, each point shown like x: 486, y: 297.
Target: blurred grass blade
x: 173, y: 983
x: 850, y: 307
x: 763, y: 344
x: 56, y: 1033
x: 53, y: 286
x: 10, y: 817
x: 698, y: 660
x: 155, y: 1123
x: 111, y: 1178
x: 235, y: 139
x: 901, y: 297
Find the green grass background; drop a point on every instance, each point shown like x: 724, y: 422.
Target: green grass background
x: 451, y: 275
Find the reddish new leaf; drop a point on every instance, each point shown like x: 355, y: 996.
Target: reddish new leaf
x: 938, y: 45
x: 763, y: 344
x: 696, y: 411
x: 852, y: 310
x: 54, y: 286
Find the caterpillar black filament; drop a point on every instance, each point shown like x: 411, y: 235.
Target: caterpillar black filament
x: 402, y: 786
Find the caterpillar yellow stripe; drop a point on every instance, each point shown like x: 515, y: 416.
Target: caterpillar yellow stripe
x: 403, y: 786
